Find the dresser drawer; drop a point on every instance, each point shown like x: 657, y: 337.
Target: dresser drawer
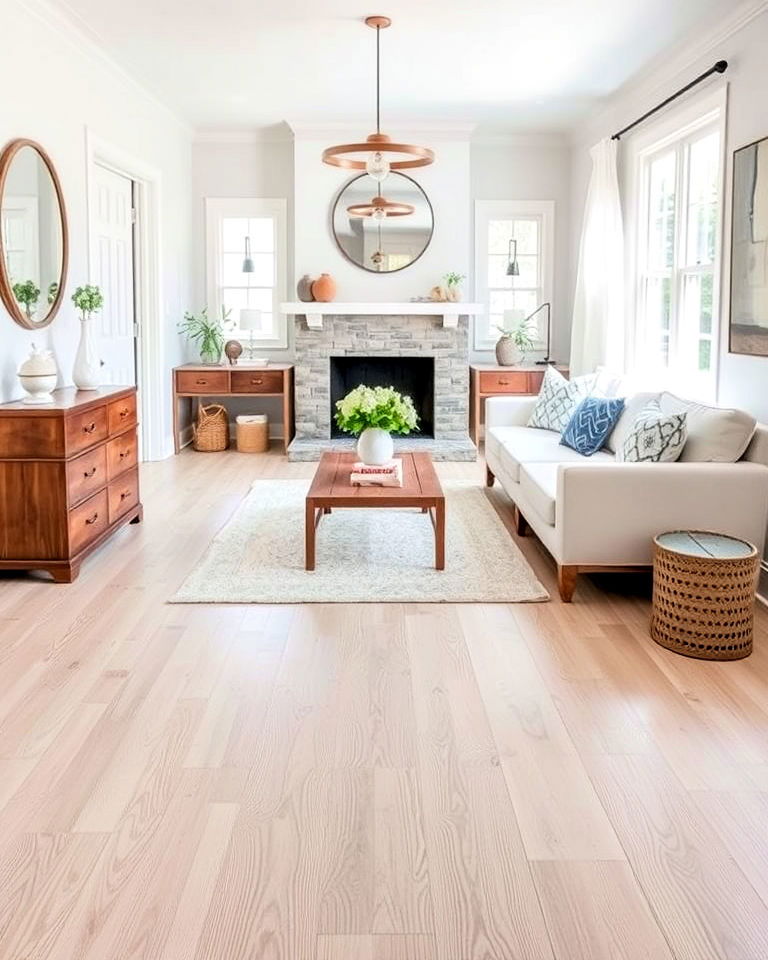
x: 123, y: 494
x: 257, y: 381
x: 202, y: 382
x: 122, y: 454
x: 87, y: 522
x: 85, y: 429
x: 86, y: 474
x: 121, y: 414
x: 512, y: 382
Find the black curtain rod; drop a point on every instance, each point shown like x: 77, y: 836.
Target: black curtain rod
x: 720, y: 67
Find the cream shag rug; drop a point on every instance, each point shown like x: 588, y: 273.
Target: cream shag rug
x: 363, y: 555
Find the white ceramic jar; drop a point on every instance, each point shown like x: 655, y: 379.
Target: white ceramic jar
x: 38, y: 376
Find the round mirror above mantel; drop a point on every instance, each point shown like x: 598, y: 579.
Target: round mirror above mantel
x: 382, y: 226
x: 33, y: 235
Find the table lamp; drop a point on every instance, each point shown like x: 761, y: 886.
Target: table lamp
x: 250, y: 320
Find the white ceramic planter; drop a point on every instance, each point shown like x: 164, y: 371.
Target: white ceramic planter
x: 86, y: 374
x: 375, y: 446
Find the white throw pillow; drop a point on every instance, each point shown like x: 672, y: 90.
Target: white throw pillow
x: 715, y: 434
x: 557, y: 400
x: 655, y: 436
x: 633, y: 406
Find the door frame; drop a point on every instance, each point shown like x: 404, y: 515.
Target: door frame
x: 150, y: 348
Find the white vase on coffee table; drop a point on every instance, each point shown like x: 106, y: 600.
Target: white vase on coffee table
x: 375, y: 446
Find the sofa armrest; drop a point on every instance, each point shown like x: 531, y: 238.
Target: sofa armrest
x: 508, y: 411
x: 609, y: 513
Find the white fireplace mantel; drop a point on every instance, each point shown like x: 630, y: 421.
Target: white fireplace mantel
x: 315, y: 312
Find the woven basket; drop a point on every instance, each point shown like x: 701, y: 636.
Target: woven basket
x: 253, y: 437
x: 704, y: 607
x: 211, y: 432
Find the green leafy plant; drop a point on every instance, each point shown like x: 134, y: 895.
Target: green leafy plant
x: 53, y: 292
x: 521, y: 334
x: 454, y: 279
x: 381, y: 407
x: 27, y: 293
x: 88, y: 300
x: 207, y: 332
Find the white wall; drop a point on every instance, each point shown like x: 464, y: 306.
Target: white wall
x: 743, y: 381
x: 532, y: 168
x: 55, y: 85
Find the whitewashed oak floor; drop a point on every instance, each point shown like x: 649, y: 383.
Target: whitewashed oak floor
x: 378, y: 782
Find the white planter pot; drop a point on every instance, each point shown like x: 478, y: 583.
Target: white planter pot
x: 87, y: 370
x: 374, y: 446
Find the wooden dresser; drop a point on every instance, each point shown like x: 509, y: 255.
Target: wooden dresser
x: 68, y: 478
x: 490, y: 380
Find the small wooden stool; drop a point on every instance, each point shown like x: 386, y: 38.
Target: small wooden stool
x: 704, y: 594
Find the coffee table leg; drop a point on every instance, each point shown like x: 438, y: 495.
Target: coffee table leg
x: 309, y: 536
x: 440, y: 535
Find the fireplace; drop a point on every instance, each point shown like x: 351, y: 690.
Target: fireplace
x: 414, y: 376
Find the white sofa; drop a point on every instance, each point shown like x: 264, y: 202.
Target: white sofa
x: 596, y: 514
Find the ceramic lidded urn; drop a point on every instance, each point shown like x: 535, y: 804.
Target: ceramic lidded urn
x: 304, y: 289
x: 324, y: 288
x: 38, y: 375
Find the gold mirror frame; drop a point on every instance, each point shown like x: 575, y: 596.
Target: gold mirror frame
x: 6, y: 293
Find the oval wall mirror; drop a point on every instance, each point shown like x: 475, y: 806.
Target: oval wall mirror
x: 33, y: 235
x: 382, y: 227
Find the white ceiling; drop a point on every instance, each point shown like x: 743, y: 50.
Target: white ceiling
x: 506, y: 64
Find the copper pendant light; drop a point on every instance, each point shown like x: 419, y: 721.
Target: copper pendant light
x: 383, y: 154
x: 380, y: 209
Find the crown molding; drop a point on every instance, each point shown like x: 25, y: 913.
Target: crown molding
x: 273, y: 133
x: 533, y: 138
x: 355, y: 130
x: 70, y: 27
x: 666, y: 68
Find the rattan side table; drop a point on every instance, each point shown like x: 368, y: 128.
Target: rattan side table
x: 704, y: 594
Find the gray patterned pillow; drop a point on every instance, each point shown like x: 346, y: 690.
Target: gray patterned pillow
x: 557, y: 400
x: 655, y: 436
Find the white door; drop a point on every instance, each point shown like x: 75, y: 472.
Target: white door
x: 113, y: 271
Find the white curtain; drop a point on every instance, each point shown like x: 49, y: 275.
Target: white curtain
x: 597, y: 335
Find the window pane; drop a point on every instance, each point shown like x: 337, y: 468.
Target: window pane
x: 524, y: 230
x: 261, y: 298
x: 261, y: 230
x: 497, y: 272
x: 234, y: 230
x: 657, y: 317
x: 705, y: 355
x: 661, y: 199
x: 234, y: 299
x: 500, y: 232
x: 263, y: 266
x: 702, y: 199
x: 697, y: 314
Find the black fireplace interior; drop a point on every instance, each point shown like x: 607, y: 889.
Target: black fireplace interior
x: 414, y: 376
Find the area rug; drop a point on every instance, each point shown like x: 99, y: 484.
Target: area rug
x: 363, y: 556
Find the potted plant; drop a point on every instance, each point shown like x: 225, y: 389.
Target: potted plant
x: 27, y: 294
x: 207, y: 333
x: 86, y: 373
x: 453, y: 286
x: 373, y: 414
x: 514, y: 343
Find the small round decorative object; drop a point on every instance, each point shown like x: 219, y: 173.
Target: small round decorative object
x: 304, y: 289
x: 233, y: 349
x: 38, y: 376
x: 507, y: 354
x: 704, y: 594
x: 324, y: 288
x: 375, y: 446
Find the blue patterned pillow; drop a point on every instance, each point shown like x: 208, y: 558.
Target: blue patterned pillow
x: 592, y: 421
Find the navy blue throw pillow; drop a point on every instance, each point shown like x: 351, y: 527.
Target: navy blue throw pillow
x: 590, y: 424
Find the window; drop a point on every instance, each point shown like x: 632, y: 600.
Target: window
x: 531, y: 225
x: 263, y: 223
x: 678, y: 252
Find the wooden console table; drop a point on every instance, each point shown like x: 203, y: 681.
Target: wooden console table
x: 490, y: 380
x: 197, y: 381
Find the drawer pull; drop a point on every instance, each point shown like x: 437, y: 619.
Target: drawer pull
x: 89, y: 473
x: 90, y: 428
x: 92, y: 519
x: 257, y: 382
x: 125, y: 494
x: 503, y: 383
x: 124, y: 454
x: 124, y: 413
x: 201, y: 383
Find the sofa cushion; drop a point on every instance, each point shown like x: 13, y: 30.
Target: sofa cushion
x: 557, y: 400
x: 715, y: 434
x: 515, y: 445
x: 655, y: 437
x: 591, y: 422
x: 538, y: 483
x: 632, y: 407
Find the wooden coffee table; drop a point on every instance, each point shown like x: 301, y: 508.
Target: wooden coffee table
x: 331, y: 489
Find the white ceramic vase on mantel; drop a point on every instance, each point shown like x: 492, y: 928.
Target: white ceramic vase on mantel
x: 86, y: 373
x: 375, y: 446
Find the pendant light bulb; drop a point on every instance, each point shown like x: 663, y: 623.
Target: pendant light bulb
x: 379, y: 213
x: 377, y: 167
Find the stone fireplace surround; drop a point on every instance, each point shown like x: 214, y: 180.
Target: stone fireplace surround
x: 386, y: 335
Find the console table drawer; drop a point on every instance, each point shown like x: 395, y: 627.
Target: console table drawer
x: 122, y: 454
x: 257, y: 381
x: 206, y: 384
x: 121, y: 414
x: 86, y: 474
x: 85, y: 429
x: 512, y: 382
x: 87, y: 522
x: 123, y: 494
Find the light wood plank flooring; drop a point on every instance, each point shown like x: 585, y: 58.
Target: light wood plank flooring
x: 371, y: 782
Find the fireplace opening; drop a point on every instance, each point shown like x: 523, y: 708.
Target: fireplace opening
x: 414, y: 376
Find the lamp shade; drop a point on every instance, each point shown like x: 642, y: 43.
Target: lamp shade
x: 250, y: 319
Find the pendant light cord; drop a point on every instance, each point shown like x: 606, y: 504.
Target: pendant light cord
x: 378, y: 80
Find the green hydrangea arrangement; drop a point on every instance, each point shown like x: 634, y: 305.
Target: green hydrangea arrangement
x: 381, y: 407
x: 27, y: 293
x: 88, y: 300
